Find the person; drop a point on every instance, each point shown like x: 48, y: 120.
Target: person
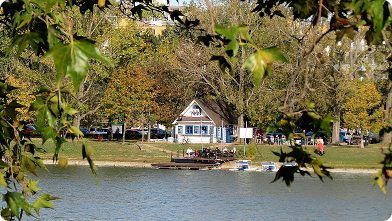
x: 204, y: 152
x: 189, y: 151
x: 117, y: 133
x: 225, y: 151
x: 303, y: 138
x: 320, y: 147
x: 110, y: 133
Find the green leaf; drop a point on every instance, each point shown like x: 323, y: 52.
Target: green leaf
x: 87, y: 151
x: 272, y: 54
x: 29, y: 164
x: 16, y: 201
x: 32, y: 185
x: 260, y: 63
x: 377, y: 11
x: 68, y: 109
x: 244, y: 33
x: 256, y: 64
x: 75, y: 130
x: 72, y: 59
x: 379, y: 180
x: 23, y: 41
x: 43, y: 202
x: 229, y: 33
x: 2, y: 180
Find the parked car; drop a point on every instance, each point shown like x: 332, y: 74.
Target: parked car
x: 83, y: 130
x: 31, y: 130
x: 96, y: 130
x: 133, y: 134
x: 158, y: 133
x: 345, y: 137
x: 374, y: 137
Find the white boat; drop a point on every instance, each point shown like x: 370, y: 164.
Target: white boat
x: 271, y: 167
x: 293, y: 164
x: 243, y: 165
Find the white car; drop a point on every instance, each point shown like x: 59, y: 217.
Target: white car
x: 96, y: 130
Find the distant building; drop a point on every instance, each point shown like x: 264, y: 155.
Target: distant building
x: 206, y: 121
x: 155, y: 24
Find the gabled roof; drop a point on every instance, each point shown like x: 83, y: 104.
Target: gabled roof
x: 218, y: 111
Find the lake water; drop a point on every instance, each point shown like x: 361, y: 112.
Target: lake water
x: 148, y: 194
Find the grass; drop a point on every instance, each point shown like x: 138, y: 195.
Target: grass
x: 154, y: 152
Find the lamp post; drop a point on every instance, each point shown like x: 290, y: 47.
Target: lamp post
x: 201, y: 132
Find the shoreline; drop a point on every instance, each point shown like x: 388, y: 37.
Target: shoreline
x: 224, y: 166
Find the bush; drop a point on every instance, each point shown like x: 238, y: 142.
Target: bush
x: 251, y: 150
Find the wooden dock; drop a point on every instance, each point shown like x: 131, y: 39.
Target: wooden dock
x: 196, y: 163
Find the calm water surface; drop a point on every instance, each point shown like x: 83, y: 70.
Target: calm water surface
x: 148, y: 194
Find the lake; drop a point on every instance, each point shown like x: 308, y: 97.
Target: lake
x: 149, y: 194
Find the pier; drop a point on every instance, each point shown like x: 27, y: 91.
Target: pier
x: 194, y: 163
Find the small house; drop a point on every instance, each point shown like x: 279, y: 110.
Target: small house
x: 206, y: 121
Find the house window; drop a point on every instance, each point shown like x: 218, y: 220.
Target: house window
x: 196, y: 130
x: 204, y: 129
x: 180, y: 130
x: 189, y: 129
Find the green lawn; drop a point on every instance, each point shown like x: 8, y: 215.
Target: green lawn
x: 336, y: 156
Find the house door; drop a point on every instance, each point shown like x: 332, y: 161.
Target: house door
x: 228, y: 136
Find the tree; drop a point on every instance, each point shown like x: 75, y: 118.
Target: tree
x: 364, y: 109
x: 129, y: 94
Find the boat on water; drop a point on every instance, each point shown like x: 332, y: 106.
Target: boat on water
x: 268, y: 167
x: 243, y: 165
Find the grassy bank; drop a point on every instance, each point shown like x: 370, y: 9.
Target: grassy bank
x: 336, y: 156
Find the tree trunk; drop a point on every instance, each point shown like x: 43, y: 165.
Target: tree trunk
x: 123, y: 132
x: 149, y: 133
x: 336, y: 131
x: 388, y: 114
x: 362, y: 141
x: 76, y: 121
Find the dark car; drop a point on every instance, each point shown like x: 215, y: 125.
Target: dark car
x: 31, y: 130
x: 374, y: 137
x: 158, y: 133
x: 133, y: 134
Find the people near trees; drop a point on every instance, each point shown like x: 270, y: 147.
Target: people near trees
x: 117, y: 133
x: 320, y: 147
x: 189, y: 151
x: 272, y: 140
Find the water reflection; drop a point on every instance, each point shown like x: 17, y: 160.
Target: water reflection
x: 147, y: 194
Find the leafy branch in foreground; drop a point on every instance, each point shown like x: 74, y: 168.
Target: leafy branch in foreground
x: 302, y: 160
x: 300, y: 156
x: 17, y: 154
x: 45, y: 28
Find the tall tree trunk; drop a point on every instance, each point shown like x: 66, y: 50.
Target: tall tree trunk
x: 336, y: 132
x: 123, y: 131
x: 76, y: 120
x: 388, y: 114
x: 336, y: 127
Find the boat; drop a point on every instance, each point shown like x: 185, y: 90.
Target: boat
x: 271, y: 167
x: 243, y: 165
x: 291, y: 164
